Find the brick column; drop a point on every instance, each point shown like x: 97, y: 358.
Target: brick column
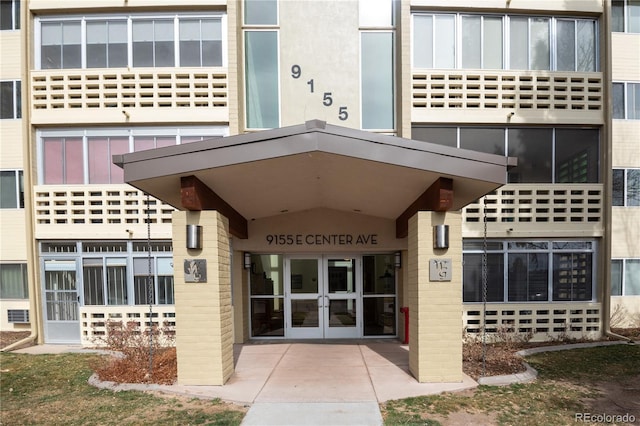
x: 435, y: 307
x: 204, y: 327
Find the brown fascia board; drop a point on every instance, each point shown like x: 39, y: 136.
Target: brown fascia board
x: 314, y: 135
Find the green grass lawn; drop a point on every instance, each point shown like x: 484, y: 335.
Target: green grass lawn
x: 53, y: 390
x: 566, y: 384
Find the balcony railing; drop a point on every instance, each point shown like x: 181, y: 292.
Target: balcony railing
x: 526, y: 210
x: 121, y: 94
x: 105, y: 211
x: 530, y: 95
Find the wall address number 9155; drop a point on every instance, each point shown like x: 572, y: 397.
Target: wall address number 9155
x: 327, y: 98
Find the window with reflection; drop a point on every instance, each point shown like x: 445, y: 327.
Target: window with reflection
x: 379, y: 298
x: 266, y: 290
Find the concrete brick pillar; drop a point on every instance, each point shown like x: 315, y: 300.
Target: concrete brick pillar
x: 204, y: 325
x: 435, y: 307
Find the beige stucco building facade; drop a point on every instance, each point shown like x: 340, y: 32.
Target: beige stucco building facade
x: 313, y: 141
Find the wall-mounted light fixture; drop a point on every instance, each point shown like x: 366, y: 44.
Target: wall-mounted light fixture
x: 441, y: 237
x: 194, y: 237
x: 247, y: 260
x: 398, y: 260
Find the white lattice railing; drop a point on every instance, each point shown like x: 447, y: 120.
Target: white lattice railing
x: 542, y: 321
x: 531, y: 91
x: 544, y: 210
x: 100, y: 209
x: 129, y: 94
x: 94, y: 320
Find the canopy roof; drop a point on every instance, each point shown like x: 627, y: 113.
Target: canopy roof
x: 314, y: 165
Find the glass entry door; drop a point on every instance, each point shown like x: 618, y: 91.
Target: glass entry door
x: 322, y: 294
x: 62, y: 322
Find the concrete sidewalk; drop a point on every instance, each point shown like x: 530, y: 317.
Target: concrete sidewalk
x: 318, y: 383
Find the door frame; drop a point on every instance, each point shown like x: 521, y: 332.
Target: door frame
x: 321, y: 298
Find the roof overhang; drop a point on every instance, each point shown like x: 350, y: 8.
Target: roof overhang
x: 314, y: 165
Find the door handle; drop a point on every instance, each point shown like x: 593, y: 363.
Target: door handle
x: 328, y: 302
x: 319, y: 299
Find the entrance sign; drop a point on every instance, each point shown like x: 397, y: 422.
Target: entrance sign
x: 321, y: 239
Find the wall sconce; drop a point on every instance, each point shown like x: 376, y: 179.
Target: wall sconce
x: 398, y: 260
x: 441, y: 237
x: 194, y: 237
x: 247, y: 260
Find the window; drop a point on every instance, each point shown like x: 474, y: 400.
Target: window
x: 60, y: 45
x: 626, y: 187
x: 545, y: 155
x: 111, y: 275
x: 535, y: 271
x: 625, y: 16
x: 100, y: 152
x: 498, y: 42
x: 14, y: 281
x: 261, y: 77
x: 626, y: 101
x: 10, y: 99
x: 377, y: 79
x: 9, y: 15
x: 379, y: 295
x: 107, y: 44
x: 11, y: 189
x: 625, y: 277
x: 266, y: 289
x: 86, y: 156
x: 200, y: 43
x: 130, y: 41
x: 261, y: 12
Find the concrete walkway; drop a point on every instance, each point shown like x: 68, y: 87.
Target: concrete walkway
x: 307, y: 383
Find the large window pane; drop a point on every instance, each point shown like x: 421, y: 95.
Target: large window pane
x: 633, y: 101
x: 142, y: 44
x: 260, y: 12
x: 8, y: 189
x: 586, y: 46
x: 617, y: 15
x: 377, y: 80
x: 633, y: 187
x: 482, y: 139
x: 8, y: 97
x: 13, y: 281
x: 164, y: 47
x: 379, y: 316
x: 618, y: 100
x: 93, y: 280
x: 473, y: 276
x: 60, y: 45
x: 378, y: 274
x: 71, y: 48
x: 445, y: 41
x: 533, y: 148
x: 447, y: 136
x: 471, y: 42
x: 117, y: 281
x: 539, y: 44
x: 617, y: 197
x: 633, y: 16
x: 492, y: 43
x: 143, y: 281
x: 262, y: 89
x: 211, y: 42
x: 101, y: 152
x: 528, y: 277
x: 266, y: 275
x: 267, y: 317
x: 518, y: 43
x: 566, y: 46
x: 572, y: 276
x: 632, y: 277
x: 616, y: 277
x: 577, y: 155
x: 423, y: 41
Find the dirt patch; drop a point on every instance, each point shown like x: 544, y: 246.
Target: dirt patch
x: 10, y: 337
x: 617, y: 397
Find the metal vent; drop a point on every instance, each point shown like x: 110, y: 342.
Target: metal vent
x: 18, y: 315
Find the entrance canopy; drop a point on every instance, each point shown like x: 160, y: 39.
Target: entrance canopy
x: 314, y: 165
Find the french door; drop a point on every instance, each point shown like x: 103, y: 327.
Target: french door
x: 322, y: 296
